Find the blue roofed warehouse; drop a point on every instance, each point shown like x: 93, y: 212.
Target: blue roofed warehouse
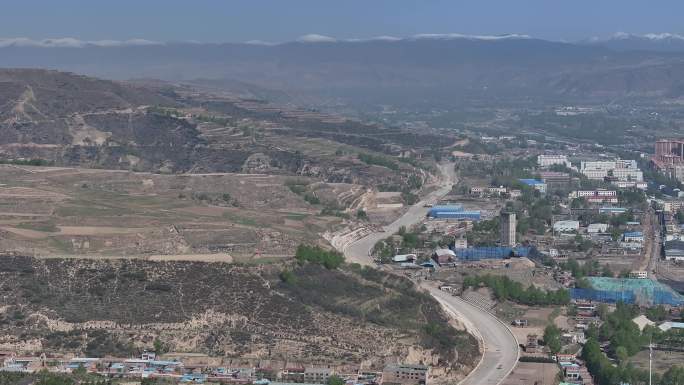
x: 453, y: 212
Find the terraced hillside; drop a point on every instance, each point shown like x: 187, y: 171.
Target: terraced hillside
x: 59, y: 211
x: 66, y: 119
x: 120, y: 307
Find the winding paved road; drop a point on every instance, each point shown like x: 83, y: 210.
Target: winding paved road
x: 500, y: 346
x: 359, y: 250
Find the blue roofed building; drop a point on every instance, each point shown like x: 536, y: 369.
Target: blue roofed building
x: 535, y: 184
x: 453, y: 212
x: 494, y: 252
x: 612, y: 210
x: 460, y: 215
x: 633, y: 236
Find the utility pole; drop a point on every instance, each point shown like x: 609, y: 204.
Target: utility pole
x: 650, y: 361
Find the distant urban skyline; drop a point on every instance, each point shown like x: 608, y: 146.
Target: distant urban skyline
x: 215, y: 21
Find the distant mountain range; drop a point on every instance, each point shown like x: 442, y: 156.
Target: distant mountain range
x: 418, y: 69
x: 654, y: 42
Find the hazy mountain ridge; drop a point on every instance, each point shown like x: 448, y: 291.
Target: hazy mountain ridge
x: 655, y: 42
x: 437, y: 67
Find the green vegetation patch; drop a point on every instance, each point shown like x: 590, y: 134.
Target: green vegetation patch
x: 46, y: 227
x: 320, y: 256
x: 378, y: 160
x: 506, y: 289
x: 387, y: 300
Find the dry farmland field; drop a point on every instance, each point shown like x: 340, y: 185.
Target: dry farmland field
x: 72, y: 212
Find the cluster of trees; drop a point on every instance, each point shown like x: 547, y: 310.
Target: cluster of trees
x: 621, y: 219
x: 316, y: 254
x: 581, y: 244
x: 624, y: 335
x: 79, y: 376
x: 603, y: 370
x: 506, y: 289
x: 475, y: 146
x: 605, y: 373
x: 552, y: 338
x: 334, y: 380
x: 632, y: 197
x: 589, y: 268
x: 159, y: 381
x: 484, y: 233
x: 418, y: 164
x: 378, y: 160
x: 409, y: 198
x: 409, y: 240
x: 503, y: 172
x: 659, y: 179
x: 680, y: 216
x: 386, y: 248
x: 595, y: 127
x: 532, y: 211
x: 10, y: 378
x: 26, y: 162
x: 300, y: 187
x: 625, y: 340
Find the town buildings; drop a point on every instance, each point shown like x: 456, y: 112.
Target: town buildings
x: 566, y: 226
x: 596, y: 196
x: 640, y: 274
x: 633, y: 236
x: 535, y: 184
x: 624, y: 184
x: 555, y: 178
x: 550, y: 160
x: 317, y: 375
x: 669, y: 158
x: 595, y: 228
x: 508, y: 229
x: 461, y: 243
x: 453, y: 212
x: 670, y: 205
x: 532, y: 343
x: 442, y: 256
x: 614, y: 170
x: 674, y: 250
x: 399, y: 374
x: 488, y: 191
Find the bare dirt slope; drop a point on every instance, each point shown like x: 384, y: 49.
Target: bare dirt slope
x: 351, y: 315
x: 49, y: 211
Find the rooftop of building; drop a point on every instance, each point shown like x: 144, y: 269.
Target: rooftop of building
x: 406, y: 366
x: 671, y: 325
x: 447, y: 207
x: 531, y: 182
x: 616, y: 209
x: 567, y: 222
x: 674, y: 245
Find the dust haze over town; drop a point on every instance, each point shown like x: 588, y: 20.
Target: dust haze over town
x: 383, y: 193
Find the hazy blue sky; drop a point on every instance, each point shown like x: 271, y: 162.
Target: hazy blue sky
x: 281, y: 20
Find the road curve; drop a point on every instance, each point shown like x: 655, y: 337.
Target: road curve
x: 500, y: 346
x: 359, y: 250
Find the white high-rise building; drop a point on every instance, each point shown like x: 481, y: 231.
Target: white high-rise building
x: 508, y: 224
x: 550, y: 160
x: 621, y: 170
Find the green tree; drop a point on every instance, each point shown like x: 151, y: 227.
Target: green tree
x: 621, y: 354
x: 315, y: 254
x: 334, y: 380
x: 552, y: 338
x: 673, y: 376
x: 160, y: 347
